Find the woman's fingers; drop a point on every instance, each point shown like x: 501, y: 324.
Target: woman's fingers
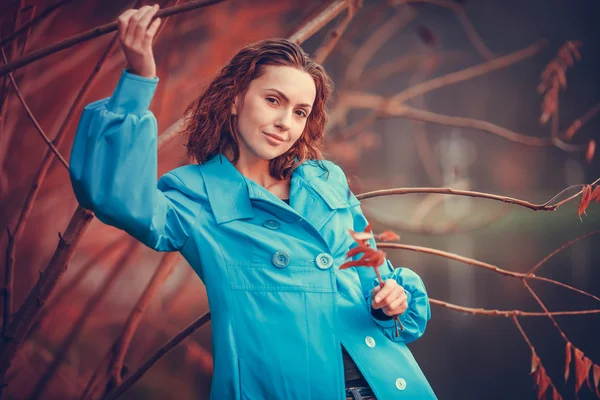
x: 142, y: 27
x: 123, y: 23
x: 131, y: 38
x: 150, y: 32
x: 397, y: 306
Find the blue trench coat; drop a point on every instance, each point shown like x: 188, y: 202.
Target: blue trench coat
x: 280, y: 306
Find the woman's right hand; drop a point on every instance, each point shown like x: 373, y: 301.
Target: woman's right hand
x: 136, y: 34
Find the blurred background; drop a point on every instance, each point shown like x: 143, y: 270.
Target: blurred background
x: 387, y: 47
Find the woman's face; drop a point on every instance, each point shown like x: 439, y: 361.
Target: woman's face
x: 274, y: 112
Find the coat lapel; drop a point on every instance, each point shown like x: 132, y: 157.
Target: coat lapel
x: 315, y: 194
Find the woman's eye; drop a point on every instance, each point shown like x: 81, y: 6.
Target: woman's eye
x: 301, y: 113
x: 272, y: 98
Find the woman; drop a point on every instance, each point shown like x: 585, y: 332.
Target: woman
x: 262, y: 219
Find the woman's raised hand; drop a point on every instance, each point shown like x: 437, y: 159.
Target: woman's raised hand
x: 136, y: 34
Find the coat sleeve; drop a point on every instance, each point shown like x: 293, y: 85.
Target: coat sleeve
x: 113, y: 168
x: 415, y: 318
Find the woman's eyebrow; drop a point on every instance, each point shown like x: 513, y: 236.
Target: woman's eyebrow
x: 286, y: 98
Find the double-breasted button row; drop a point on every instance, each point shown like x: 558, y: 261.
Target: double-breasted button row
x: 281, y: 259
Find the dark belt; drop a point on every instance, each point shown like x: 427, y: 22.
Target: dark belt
x: 360, y: 392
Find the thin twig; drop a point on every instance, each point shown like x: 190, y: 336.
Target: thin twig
x: 480, y: 264
x: 174, y: 341
x: 48, y: 10
x: 579, y: 122
x: 507, y: 313
x: 32, y: 118
x: 332, y: 38
x: 450, y: 191
x: 98, y: 31
x: 564, y: 246
x: 541, y: 303
x: 459, y: 10
x: 468, y: 73
x: 370, y: 46
x: 313, y: 25
x: 520, y: 328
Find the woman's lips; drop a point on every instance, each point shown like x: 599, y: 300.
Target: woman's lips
x: 273, y: 138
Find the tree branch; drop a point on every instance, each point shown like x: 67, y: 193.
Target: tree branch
x: 98, y: 31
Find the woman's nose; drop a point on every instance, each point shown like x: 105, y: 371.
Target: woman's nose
x: 284, y: 121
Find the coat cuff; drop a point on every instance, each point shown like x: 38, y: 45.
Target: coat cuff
x: 133, y: 94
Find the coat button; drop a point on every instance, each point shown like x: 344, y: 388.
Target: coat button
x: 281, y: 259
x: 324, y: 261
x: 370, y: 341
x: 400, y: 384
x: 271, y: 224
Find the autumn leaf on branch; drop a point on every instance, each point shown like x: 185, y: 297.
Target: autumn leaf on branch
x: 582, y: 369
x: 586, y: 197
x: 371, y: 257
x: 567, y: 361
x: 554, y: 77
x: 539, y: 376
x: 387, y: 236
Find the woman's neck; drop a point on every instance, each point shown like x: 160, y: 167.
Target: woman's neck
x: 254, y: 168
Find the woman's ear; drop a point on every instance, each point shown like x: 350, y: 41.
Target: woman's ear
x: 234, y: 106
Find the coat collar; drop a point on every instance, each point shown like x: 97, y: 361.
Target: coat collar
x: 230, y: 194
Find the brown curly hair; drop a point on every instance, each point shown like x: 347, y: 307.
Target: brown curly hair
x: 210, y: 128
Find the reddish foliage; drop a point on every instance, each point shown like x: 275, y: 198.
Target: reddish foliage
x: 586, y: 197
x: 589, y: 154
x: 387, y: 236
x: 582, y: 369
x: 539, y: 375
x: 371, y: 257
x: 568, y: 361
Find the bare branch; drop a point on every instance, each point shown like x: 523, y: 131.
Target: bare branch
x: 48, y: 10
x: 32, y: 118
x: 480, y: 264
x: 98, y: 31
x: 312, y: 26
x: 334, y: 36
x: 459, y: 10
x: 507, y: 313
x: 468, y: 73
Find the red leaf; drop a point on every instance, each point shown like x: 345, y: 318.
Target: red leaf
x: 539, y: 376
x: 535, y: 362
x: 387, y: 236
x: 586, y: 196
x: 587, y: 363
x: 582, y: 368
x: 555, y: 394
x: 589, y: 154
x: 596, y: 379
x: 568, y: 361
x: 596, y: 194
